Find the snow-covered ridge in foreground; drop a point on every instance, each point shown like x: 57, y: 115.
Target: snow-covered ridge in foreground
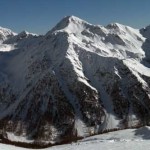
x: 76, y: 81
x: 134, y: 139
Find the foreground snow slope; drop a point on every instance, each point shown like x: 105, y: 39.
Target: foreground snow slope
x: 77, y: 80
x: 132, y: 139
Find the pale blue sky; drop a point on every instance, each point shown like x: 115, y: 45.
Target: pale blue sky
x: 39, y: 16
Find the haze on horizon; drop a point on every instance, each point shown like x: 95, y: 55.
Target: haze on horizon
x: 39, y: 16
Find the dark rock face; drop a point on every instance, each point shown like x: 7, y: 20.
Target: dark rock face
x: 67, y: 84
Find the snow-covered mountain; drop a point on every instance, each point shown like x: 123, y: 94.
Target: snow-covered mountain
x: 77, y: 80
x: 5, y: 34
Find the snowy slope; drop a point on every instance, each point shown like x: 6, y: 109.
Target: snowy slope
x: 77, y: 80
x: 135, y: 139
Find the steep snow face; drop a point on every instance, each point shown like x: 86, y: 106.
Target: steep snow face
x: 77, y: 80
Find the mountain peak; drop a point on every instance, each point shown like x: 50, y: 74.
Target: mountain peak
x: 115, y: 26
x: 73, y: 19
x: 146, y: 31
x: 5, y: 33
x: 26, y: 33
x: 70, y: 23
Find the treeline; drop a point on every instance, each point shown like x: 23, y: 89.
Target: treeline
x: 66, y: 140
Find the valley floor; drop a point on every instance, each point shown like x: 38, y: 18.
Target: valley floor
x: 132, y: 139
